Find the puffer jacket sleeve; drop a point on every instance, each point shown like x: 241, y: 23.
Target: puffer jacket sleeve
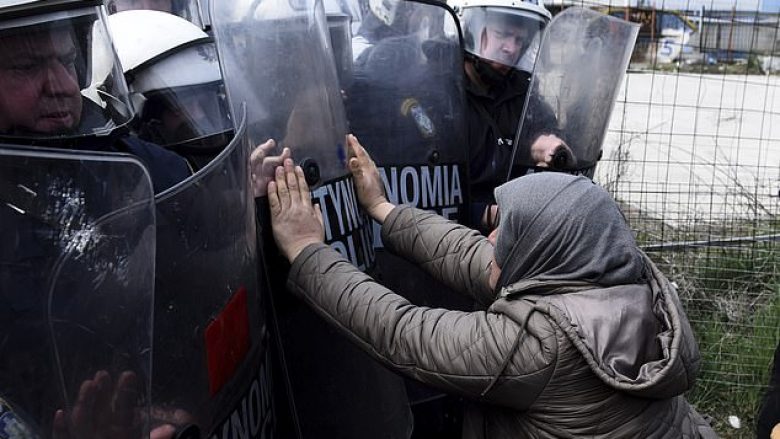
x: 455, y: 255
x: 466, y: 353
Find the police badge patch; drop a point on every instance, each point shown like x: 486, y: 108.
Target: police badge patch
x: 11, y: 427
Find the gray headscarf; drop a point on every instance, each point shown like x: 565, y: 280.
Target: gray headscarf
x: 558, y: 227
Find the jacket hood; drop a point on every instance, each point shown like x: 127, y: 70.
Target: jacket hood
x: 636, y: 338
x: 558, y: 227
x: 564, y: 244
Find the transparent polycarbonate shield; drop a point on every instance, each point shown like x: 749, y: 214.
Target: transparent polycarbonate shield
x: 211, y: 338
x: 205, y: 13
x: 407, y: 106
x: 76, y: 292
x: 341, y: 40
x: 276, y: 57
x: 581, y: 64
x: 339, y: 15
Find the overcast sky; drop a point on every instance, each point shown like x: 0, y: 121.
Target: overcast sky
x: 770, y: 5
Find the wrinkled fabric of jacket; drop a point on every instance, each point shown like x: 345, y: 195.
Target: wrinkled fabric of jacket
x: 538, y: 366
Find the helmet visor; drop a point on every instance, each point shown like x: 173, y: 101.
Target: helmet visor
x: 181, y: 98
x: 501, y: 35
x: 59, y: 77
x: 185, y: 115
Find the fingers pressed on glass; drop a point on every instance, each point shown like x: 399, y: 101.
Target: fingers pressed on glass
x: 304, y: 187
x: 281, y: 188
x: 262, y: 151
x: 126, y: 397
x: 87, y: 393
x: 357, y: 149
x: 277, y: 160
x: 292, y: 180
x: 273, y: 198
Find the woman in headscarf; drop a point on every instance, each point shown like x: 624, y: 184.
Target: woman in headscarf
x: 581, y: 335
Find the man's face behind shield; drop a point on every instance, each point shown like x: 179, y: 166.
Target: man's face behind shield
x: 39, y: 86
x: 503, y: 43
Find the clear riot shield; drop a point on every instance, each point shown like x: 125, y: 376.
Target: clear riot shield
x: 276, y: 57
x: 76, y: 293
x: 407, y: 106
x: 581, y: 64
x: 339, y: 18
x: 211, y: 365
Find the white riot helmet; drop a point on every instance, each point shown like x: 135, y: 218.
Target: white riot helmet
x: 175, y: 82
x: 507, y: 32
x: 190, y: 10
x: 60, y: 83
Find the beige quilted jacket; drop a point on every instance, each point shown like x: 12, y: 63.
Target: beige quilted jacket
x: 540, y: 361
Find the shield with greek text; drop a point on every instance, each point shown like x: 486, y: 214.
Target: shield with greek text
x: 212, y: 361
x: 276, y: 57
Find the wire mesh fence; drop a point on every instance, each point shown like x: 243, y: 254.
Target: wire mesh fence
x: 693, y: 157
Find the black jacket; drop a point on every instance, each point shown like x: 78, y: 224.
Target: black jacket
x: 493, y: 117
x: 493, y: 122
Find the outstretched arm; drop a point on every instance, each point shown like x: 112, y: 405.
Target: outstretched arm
x: 453, y: 254
x: 484, y: 355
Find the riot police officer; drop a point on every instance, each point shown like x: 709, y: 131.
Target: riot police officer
x: 61, y: 86
x: 176, y: 86
x: 79, y: 238
x: 501, y: 40
x: 175, y: 83
x: 76, y: 228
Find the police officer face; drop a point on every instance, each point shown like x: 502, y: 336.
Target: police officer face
x: 39, y: 88
x: 503, y: 43
x: 155, y: 5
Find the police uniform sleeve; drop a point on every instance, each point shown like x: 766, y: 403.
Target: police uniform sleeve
x: 11, y: 425
x: 486, y: 355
